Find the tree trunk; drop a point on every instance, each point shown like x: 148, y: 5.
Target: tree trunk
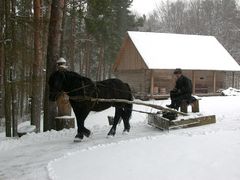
x: 100, y: 64
x: 63, y: 32
x: 73, y: 36
x: 13, y: 68
x: 7, y: 83
x: 86, y: 63
x: 103, y: 64
x: 37, y: 68
x: 1, y: 58
x: 53, y: 51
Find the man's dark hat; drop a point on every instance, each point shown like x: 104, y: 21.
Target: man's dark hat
x: 177, y: 71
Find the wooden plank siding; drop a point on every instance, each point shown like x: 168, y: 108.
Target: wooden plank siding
x: 232, y: 79
x: 129, y: 58
x: 207, y: 81
x: 139, y: 81
x: 164, y: 81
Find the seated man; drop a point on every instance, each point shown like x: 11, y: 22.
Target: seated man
x: 182, y: 90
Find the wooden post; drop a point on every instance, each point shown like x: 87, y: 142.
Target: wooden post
x: 195, y: 106
x: 214, y: 81
x: 233, y: 79
x: 184, y: 107
x: 64, y: 122
x: 152, y: 83
x: 193, y: 82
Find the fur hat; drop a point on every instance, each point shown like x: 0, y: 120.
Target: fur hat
x: 177, y: 71
x: 61, y: 61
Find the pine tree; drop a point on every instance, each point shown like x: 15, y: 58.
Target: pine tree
x: 37, y: 68
x: 53, y: 52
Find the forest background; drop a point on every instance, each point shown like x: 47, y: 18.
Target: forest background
x: 88, y: 34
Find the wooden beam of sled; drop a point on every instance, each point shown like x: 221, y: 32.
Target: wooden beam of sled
x: 138, y: 103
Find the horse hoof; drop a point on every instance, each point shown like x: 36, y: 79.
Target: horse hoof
x: 87, y: 134
x: 90, y: 135
x: 78, y: 138
x: 110, y: 136
x: 112, y: 132
x: 125, y: 132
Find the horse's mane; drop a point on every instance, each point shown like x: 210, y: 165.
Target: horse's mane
x: 77, y: 75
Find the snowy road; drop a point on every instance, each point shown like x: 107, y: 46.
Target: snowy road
x: 28, y: 157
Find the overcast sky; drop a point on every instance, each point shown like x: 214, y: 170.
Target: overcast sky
x: 145, y: 6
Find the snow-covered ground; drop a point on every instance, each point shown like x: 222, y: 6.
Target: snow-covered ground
x: 205, y: 152
x: 231, y: 92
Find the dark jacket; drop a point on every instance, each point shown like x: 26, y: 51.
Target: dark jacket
x: 183, y: 85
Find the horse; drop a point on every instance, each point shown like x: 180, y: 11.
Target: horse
x: 81, y: 90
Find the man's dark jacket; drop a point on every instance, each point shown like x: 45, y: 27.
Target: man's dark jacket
x: 183, y: 86
x: 182, y: 91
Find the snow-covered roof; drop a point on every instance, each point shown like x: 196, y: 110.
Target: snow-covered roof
x: 170, y: 51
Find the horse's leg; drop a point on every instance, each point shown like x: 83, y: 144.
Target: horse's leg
x: 81, y: 115
x: 117, y: 116
x: 126, y: 124
x: 126, y: 114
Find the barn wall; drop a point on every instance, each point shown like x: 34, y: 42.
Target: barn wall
x: 205, y: 81
x: 129, y: 58
x: 232, y: 79
x: 165, y: 80
x: 139, y: 81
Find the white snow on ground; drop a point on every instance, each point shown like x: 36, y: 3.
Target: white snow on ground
x: 205, y: 152
x: 231, y: 92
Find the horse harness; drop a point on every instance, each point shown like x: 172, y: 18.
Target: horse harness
x: 85, y: 97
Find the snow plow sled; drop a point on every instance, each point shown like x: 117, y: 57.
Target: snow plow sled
x: 191, y: 120
x: 167, y: 120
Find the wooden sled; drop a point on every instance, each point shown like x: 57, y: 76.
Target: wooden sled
x: 156, y: 120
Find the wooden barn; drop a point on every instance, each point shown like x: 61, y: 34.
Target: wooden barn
x: 146, y: 61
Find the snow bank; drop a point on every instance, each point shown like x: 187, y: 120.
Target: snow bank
x: 231, y: 92
x: 34, y: 139
x: 27, y: 129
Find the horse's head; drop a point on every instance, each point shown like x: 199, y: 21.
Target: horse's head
x: 56, y: 84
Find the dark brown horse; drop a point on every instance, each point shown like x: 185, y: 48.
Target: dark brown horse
x: 81, y: 89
